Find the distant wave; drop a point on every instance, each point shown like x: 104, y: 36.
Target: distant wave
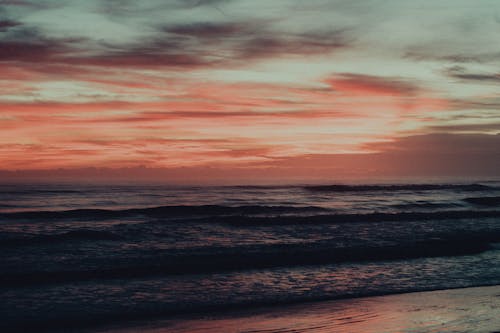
x: 161, y: 211
x: 38, y: 191
x: 13, y: 239
x: 217, y: 259
x: 251, y: 215
x: 484, y: 201
x: 9, y: 206
x: 355, y: 218
x: 429, y: 205
x: 405, y: 187
x: 260, y: 187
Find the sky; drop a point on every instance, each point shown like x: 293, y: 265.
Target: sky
x: 238, y: 89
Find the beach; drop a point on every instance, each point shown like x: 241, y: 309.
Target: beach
x: 454, y: 310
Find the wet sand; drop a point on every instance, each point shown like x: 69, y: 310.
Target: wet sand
x: 457, y: 310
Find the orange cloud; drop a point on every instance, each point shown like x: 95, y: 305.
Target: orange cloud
x: 199, y: 123
x: 368, y: 85
x: 449, y: 155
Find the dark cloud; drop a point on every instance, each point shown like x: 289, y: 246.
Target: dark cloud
x: 7, y: 24
x: 458, y: 58
x: 477, y: 77
x: 251, y: 40
x: 312, y: 43
x: 16, y: 3
x: 459, y: 72
x: 28, y: 51
x: 139, y: 58
x: 484, y: 103
x: 491, y: 127
x: 471, y: 58
x: 180, y: 46
x: 164, y: 50
x: 23, y: 3
x: 209, y: 30
x: 27, y: 44
x: 202, y: 2
x: 122, y: 8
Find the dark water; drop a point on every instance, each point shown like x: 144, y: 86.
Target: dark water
x: 76, y: 255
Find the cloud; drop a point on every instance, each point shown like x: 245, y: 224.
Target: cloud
x: 210, y: 30
x: 477, y: 77
x: 442, y: 144
x: 152, y: 55
x: 476, y: 128
x: 195, y: 45
x: 118, y: 9
x: 459, y: 72
x: 372, y: 85
x: 478, y: 103
x: 438, y: 154
x: 130, y: 112
x: 29, y: 46
x: 28, y: 51
x: 459, y: 58
x: 46, y: 108
x: 20, y: 3
x: 295, y: 45
x: 210, y: 44
x: 7, y: 24
x: 24, y: 44
x: 167, y: 83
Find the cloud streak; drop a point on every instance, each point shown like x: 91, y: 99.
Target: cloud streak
x: 368, y: 85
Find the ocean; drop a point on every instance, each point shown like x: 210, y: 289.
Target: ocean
x: 82, y: 255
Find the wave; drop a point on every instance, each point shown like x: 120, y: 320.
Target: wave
x: 14, y: 239
x: 484, y: 201
x: 353, y: 218
x: 218, y: 259
x: 38, y: 191
x: 405, y: 187
x: 259, y: 187
x: 9, y: 206
x: 255, y: 215
x: 426, y: 205
x: 162, y: 211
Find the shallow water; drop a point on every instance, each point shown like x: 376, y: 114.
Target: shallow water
x: 461, y: 310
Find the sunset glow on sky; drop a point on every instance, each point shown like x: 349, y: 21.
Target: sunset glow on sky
x: 243, y: 85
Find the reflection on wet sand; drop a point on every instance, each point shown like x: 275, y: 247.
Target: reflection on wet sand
x: 459, y: 310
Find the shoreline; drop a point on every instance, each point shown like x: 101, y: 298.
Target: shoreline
x: 473, y: 309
